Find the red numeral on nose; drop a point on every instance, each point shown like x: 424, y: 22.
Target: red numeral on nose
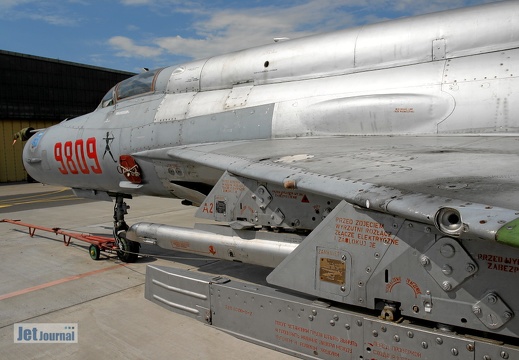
x: 59, y: 157
x: 71, y: 157
x: 92, y: 154
x: 68, y: 156
x: 80, y: 156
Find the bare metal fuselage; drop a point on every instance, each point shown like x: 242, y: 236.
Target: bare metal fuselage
x: 446, y: 73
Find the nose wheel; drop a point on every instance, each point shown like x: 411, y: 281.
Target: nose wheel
x: 128, y: 250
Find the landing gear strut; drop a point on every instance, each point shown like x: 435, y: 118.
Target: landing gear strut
x: 128, y: 250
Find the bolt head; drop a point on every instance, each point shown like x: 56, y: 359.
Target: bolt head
x: 424, y: 260
x: 447, y: 270
x: 491, y: 298
x: 447, y: 286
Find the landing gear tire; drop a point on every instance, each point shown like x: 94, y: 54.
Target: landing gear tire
x: 94, y: 252
x: 129, y: 250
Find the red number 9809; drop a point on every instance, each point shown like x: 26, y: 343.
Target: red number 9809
x: 77, y: 157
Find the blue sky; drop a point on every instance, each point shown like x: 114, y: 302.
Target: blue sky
x: 132, y: 34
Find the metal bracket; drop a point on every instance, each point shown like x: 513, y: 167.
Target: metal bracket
x: 492, y: 311
x: 262, y: 197
x: 438, y: 49
x: 427, y: 301
x: 448, y: 263
x: 278, y: 217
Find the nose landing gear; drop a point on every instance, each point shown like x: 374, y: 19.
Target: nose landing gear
x: 128, y: 250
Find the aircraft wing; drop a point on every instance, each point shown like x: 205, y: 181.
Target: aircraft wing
x: 408, y: 176
x: 437, y: 214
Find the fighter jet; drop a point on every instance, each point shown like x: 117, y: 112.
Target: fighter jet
x: 374, y: 166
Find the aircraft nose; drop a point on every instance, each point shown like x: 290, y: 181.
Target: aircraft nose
x: 33, y: 156
x: 51, y: 157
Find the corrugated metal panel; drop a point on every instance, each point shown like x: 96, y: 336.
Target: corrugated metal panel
x: 11, y: 166
x: 39, y: 88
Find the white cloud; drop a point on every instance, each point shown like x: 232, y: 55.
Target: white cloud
x: 219, y: 30
x: 8, y: 4
x: 136, y: 2
x: 53, y: 19
x: 132, y: 27
x: 51, y: 12
x: 229, y: 30
x: 127, y: 48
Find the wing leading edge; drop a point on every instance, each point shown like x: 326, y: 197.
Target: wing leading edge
x: 464, y: 186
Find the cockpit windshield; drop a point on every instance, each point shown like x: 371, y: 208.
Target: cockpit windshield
x: 108, y: 99
x: 136, y: 85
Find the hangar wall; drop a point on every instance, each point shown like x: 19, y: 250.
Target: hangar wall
x: 39, y: 92
x: 11, y: 167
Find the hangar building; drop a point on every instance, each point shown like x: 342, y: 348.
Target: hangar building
x: 39, y: 92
